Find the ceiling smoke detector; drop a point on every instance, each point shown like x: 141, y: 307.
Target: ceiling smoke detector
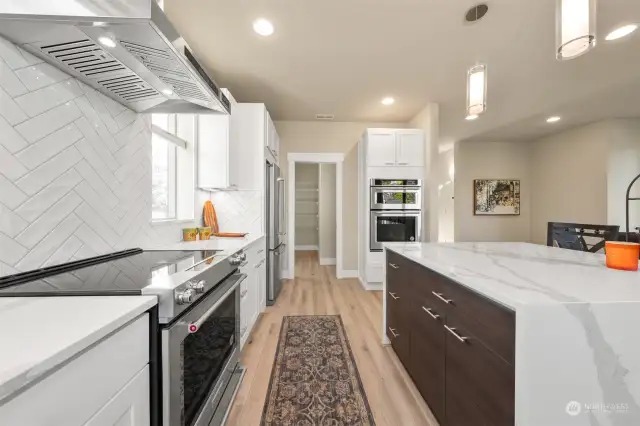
x: 476, y: 13
x: 326, y: 117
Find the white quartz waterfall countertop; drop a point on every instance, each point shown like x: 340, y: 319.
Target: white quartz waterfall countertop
x: 518, y: 274
x: 39, y: 334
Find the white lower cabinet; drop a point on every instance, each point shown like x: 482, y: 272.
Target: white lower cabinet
x: 130, y: 406
x: 106, y: 385
x: 253, y: 290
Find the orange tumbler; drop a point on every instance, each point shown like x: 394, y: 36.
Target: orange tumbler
x: 622, y: 255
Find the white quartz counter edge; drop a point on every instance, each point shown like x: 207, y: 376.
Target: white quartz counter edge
x: 215, y: 243
x: 39, y: 334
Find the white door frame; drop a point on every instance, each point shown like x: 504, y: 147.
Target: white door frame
x: 316, y: 158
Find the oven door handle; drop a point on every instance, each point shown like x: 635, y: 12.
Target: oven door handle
x: 195, y: 326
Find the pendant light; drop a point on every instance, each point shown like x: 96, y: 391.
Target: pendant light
x: 476, y: 90
x: 575, y: 28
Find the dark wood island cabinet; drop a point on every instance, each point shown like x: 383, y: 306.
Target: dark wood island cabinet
x: 457, y: 345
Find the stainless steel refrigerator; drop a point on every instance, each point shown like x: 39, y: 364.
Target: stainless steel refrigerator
x: 276, y: 229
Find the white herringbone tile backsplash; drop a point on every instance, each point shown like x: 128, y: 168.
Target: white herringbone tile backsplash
x: 75, y: 172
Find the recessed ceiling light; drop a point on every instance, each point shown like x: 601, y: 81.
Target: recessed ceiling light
x: 107, y: 41
x: 167, y: 92
x: 387, y: 101
x: 471, y: 117
x: 621, y: 32
x: 553, y: 119
x: 263, y: 27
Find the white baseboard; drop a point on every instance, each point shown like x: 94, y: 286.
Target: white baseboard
x: 370, y: 286
x: 348, y: 273
x: 327, y: 261
x: 362, y: 283
x: 306, y: 248
x: 374, y: 286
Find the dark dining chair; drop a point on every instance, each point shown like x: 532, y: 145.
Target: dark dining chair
x: 580, y: 236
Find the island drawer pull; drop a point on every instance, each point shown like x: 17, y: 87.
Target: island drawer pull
x: 428, y: 310
x: 439, y: 296
x: 394, y: 296
x: 452, y: 330
x: 393, y: 331
x: 394, y: 266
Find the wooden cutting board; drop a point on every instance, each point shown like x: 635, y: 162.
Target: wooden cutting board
x: 211, y: 220
x: 231, y: 234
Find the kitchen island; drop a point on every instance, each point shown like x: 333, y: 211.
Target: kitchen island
x: 515, y: 333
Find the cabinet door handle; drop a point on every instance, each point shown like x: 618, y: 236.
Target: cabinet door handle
x: 394, y: 266
x: 393, y: 331
x: 403, y: 164
x: 439, y: 296
x: 394, y: 296
x: 457, y: 336
x: 428, y: 310
x: 389, y: 164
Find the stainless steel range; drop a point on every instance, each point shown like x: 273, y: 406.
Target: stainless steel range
x: 195, y: 328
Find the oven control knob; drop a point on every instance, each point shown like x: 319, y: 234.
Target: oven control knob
x: 199, y: 286
x: 185, y: 297
x: 235, y: 260
x: 243, y: 256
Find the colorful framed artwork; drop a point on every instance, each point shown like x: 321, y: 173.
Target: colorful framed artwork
x: 496, y: 197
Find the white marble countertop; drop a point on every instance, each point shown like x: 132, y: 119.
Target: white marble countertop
x: 517, y: 274
x: 38, y: 334
x: 215, y: 243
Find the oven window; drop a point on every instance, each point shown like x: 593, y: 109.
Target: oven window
x: 396, y: 229
x: 204, y: 354
x: 395, y: 197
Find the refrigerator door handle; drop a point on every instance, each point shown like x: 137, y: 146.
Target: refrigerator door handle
x: 282, y: 211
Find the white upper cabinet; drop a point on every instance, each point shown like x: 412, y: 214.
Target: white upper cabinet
x: 272, y: 141
x: 381, y: 148
x: 213, y: 151
x: 231, y: 148
x: 395, y: 147
x: 409, y: 148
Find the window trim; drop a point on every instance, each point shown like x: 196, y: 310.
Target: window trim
x: 169, y: 136
x: 174, y: 182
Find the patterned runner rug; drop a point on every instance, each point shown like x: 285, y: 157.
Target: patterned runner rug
x: 314, y: 380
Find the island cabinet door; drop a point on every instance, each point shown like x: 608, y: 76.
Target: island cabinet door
x: 428, y: 355
x: 480, y: 386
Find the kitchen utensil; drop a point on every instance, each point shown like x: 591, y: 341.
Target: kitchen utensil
x: 189, y: 234
x: 231, y: 234
x: 210, y: 217
x: 204, y: 233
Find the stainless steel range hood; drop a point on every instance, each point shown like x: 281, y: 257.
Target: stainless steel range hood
x: 126, y: 49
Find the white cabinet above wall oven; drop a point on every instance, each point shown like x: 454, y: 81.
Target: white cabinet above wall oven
x: 394, y: 147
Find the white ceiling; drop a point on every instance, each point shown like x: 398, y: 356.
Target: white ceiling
x: 342, y: 57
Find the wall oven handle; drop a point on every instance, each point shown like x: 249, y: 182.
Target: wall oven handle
x: 195, y: 326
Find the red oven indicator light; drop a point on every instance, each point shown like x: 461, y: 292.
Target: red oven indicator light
x: 193, y: 328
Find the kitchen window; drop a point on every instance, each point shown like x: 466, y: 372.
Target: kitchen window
x: 172, y: 176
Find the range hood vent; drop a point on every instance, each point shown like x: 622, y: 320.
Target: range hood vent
x: 91, y: 61
x: 127, y: 49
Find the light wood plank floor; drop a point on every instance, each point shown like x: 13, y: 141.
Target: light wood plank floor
x: 392, y: 396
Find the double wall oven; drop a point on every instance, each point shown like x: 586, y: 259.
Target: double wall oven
x: 396, y: 211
